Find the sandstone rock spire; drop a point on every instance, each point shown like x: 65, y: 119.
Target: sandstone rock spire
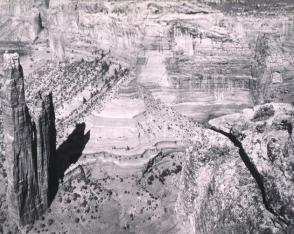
x: 29, y: 144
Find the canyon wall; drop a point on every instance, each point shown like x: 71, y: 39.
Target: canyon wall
x: 241, y: 173
x: 30, y: 143
x: 19, y: 7
x: 200, y: 59
x: 22, y: 20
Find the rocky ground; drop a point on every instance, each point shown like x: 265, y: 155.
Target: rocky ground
x: 237, y: 179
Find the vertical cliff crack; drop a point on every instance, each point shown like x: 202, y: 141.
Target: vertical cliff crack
x: 253, y: 171
x: 30, y: 143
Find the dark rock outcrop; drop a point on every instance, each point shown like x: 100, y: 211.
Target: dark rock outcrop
x: 30, y: 143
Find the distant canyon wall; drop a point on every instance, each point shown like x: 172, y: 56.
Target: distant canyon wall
x: 22, y: 21
x: 208, y: 59
x: 20, y: 7
x: 89, y: 23
x: 213, y: 56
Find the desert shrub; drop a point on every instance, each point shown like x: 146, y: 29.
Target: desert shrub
x: 84, y: 203
x: 68, y: 188
x: 50, y: 221
x: 273, y: 149
x: 151, y: 178
x: 178, y: 169
x: 283, y: 124
x: 264, y: 113
x: 119, y: 10
x: 260, y: 128
x: 75, y: 196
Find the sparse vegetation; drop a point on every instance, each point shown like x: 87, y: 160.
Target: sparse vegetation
x: 264, y: 113
x: 50, y: 222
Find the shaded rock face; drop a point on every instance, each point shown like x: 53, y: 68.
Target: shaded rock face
x: 30, y: 143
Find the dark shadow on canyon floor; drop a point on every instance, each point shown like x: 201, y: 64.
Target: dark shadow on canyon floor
x: 68, y: 153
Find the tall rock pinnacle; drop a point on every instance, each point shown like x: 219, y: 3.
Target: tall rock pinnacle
x: 30, y: 143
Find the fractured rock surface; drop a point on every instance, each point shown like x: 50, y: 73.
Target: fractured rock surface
x: 30, y: 143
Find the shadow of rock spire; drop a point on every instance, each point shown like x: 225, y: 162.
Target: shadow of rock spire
x: 68, y: 153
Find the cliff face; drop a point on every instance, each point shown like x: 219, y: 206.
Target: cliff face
x: 264, y: 140
x: 194, y: 58
x: 197, y: 58
x: 18, y: 7
x: 29, y: 146
x: 242, y: 174
x: 45, y: 144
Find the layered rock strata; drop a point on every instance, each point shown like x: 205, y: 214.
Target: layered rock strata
x: 30, y: 145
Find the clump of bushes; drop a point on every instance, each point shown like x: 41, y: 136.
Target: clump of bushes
x: 264, y: 113
x: 260, y: 128
x: 50, y: 222
x: 150, y: 179
x: 283, y: 124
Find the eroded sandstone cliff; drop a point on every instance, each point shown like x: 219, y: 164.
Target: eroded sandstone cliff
x: 30, y: 143
x: 239, y: 178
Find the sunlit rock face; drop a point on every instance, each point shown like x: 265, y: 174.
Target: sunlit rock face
x: 197, y: 58
x: 111, y: 27
x: 30, y: 143
x: 22, y: 20
x: 226, y: 61
x: 15, y: 7
x: 241, y: 175
x: 272, y: 66
x: 21, y: 9
x: 266, y: 136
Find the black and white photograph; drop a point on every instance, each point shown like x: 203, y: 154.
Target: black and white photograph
x: 146, y: 116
